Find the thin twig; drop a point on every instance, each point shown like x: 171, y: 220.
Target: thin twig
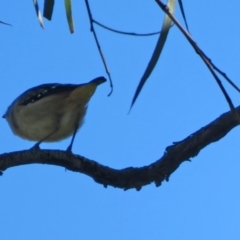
x: 223, y: 74
x: 208, y: 63
x: 98, y: 45
x: 5, y: 23
x: 126, y: 33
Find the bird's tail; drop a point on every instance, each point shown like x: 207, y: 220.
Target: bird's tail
x: 85, y: 91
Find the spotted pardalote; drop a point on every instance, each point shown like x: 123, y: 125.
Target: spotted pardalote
x: 51, y: 112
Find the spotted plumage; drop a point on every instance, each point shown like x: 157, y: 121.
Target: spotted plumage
x: 51, y: 112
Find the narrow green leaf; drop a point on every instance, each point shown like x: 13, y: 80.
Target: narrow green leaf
x: 157, y: 51
x: 183, y: 13
x: 48, y: 9
x: 39, y: 15
x: 212, y: 68
x: 68, y: 8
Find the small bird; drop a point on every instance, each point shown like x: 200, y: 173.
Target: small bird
x: 51, y: 112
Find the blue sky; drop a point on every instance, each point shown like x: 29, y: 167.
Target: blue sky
x: 201, y: 201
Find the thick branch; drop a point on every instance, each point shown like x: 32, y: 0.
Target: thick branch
x: 129, y: 177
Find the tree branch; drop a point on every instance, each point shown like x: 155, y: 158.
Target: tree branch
x: 129, y: 177
x: 92, y: 29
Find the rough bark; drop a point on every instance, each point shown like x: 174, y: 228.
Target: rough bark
x: 130, y: 177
